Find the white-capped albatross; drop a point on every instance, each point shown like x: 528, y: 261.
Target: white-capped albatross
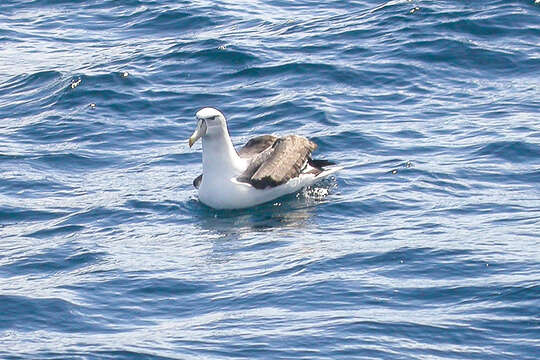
x: 266, y: 168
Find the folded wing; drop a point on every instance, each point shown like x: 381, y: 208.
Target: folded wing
x: 256, y: 146
x: 280, y: 163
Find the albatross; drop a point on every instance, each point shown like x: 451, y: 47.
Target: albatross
x: 265, y: 168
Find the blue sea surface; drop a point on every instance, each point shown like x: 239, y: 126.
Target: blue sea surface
x: 425, y: 246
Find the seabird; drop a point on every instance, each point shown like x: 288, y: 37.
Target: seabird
x: 266, y: 168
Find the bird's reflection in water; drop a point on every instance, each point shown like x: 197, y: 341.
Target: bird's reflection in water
x: 267, y: 225
x: 270, y: 226
x: 287, y: 212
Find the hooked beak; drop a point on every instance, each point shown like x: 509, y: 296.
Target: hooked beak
x: 198, y: 133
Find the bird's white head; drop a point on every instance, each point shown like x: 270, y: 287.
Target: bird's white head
x: 210, y: 122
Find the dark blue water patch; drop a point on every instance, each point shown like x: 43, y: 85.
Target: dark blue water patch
x: 273, y: 117
x: 57, y: 231
x: 490, y: 111
x: 511, y: 151
x: 10, y: 215
x: 94, y: 354
x: 218, y: 54
x: 191, y: 46
x: 492, y: 27
x: 405, y: 173
x: 451, y: 188
x: 153, y: 206
x: 147, y: 299
x: 362, y: 142
x: 132, y: 136
x: 376, y: 205
x: 520, y: 291
x: 483, y: 208
x: 28, y: 314
x: 124, y: 354
x: 163, y: 287
x: 530, y: 219
x: 344, y: 294
x: 119, y: 85
x: 414, y: 150
x: 10, y: 37
x: 458, y: 54
x: 71, y: 162
x: 24, y: 187
x: 376, y: 261
x: 303, y: 73
x: 39, y: 4
x: 172, y: 110
x: 84, y: 94
x: 324, y: 294
x: 53, y: 129
x: 449, y: 337
x: 63, y: 258
x: 102, y: 216
x: 179, y: 158
x: 322, y: 47
x: 172, y: 22
x: 445, y: 267
x: 502, y: 176
x: 253, y: 345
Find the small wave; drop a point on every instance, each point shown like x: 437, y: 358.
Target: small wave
x: 169, y: 21
x: 10, y: 214
x: 511, y: 151
x: 70, y: 161
x: 50, y: 261
x: 20, y: 95
x: 56, y: 231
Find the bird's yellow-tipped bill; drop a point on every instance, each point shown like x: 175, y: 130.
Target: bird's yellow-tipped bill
x: 198, y: 133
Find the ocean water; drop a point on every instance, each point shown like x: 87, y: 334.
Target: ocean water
x: 425, y: 246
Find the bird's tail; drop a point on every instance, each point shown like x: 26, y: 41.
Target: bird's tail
x: 320, y: 164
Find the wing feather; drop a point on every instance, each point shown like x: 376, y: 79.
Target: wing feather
x: 285, y: 161
x: 256, y: 146
x: 256, y: 162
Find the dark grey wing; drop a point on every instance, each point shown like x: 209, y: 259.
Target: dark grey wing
x: 255, y: 163
x: 285, y: 161
x: 197, y: 181
x: 256, y: 146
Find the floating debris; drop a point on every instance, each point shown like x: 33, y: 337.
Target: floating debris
x: 408, y: 164
x: 75, y: 83
x: 394, y: 171
x: 124, y: 74
x: 222, y: 47
x: 414, y: 9
x: 92, y: 106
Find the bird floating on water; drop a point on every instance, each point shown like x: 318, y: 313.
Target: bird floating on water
x: 264, y: 169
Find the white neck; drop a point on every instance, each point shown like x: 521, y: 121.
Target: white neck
x: 219, y: 156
